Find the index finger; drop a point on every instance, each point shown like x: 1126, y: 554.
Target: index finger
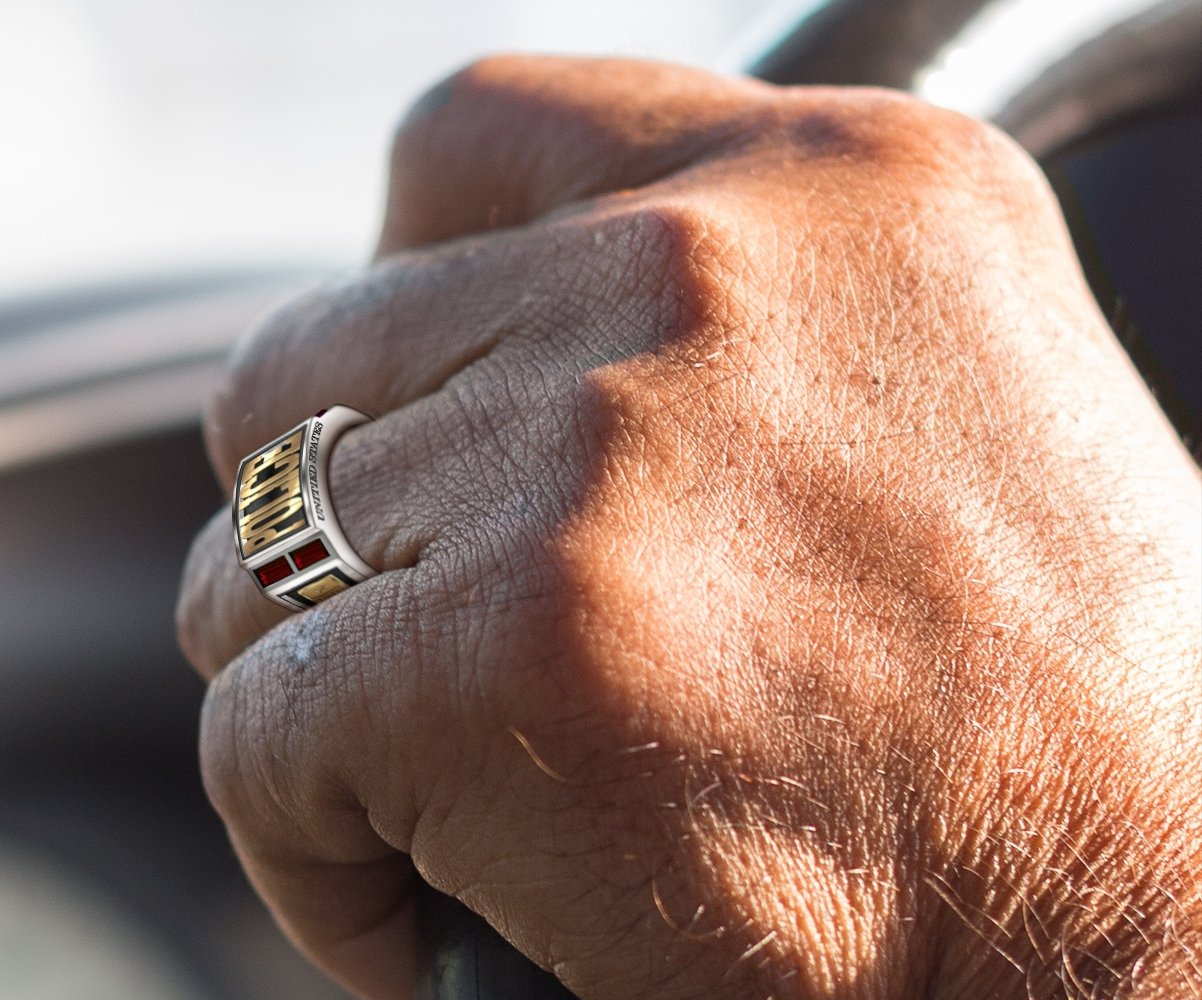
x: 511, y: 138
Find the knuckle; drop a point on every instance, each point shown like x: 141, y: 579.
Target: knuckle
x: 243, y: 762
x: 192, y: 611
x: 681, y: 259
x: 490, y: 78
x: 223, y: 758
x: 269, y: 384
x: 307, y: 674
x: 492, y: 73
x: 975, y: 148
x: 264, y: 724
x: 233, y: 418
x: 902, y: 134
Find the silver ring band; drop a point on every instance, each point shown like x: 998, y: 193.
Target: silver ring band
x: 285, y: 530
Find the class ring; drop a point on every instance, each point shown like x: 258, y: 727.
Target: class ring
x: 285, y: 530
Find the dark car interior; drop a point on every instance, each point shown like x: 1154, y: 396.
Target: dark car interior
x: 105, y: 834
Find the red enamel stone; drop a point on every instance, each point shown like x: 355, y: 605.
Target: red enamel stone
x: 273, y: 572
x: 309, y: 555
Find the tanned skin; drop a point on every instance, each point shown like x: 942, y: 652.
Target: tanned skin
x: 789, y: 590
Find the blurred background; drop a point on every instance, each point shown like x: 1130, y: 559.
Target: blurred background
x: 148, y: 136
x: 171, y: 168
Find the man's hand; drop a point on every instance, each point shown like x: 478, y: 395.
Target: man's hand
x: 788, y: 589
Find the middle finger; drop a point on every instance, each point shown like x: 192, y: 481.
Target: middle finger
x: 400, y: 330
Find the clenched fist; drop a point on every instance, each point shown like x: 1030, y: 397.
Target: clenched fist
x: 787, y: 587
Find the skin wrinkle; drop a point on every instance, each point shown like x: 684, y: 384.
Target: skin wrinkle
x: 1077, y: 881
x: 999, y: 487
x: 1001, y: 479
x: 412, y: 287
x: 794, y: 588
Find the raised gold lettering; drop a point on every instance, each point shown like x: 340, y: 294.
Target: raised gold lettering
x: 269, y: 512
x: 267, y: 457
x: 262, y: 517
x: 278, y: 521
x: 267, y: 478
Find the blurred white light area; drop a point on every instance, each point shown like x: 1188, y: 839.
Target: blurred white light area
x: 1008, y: 44
x: 152, y: 136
